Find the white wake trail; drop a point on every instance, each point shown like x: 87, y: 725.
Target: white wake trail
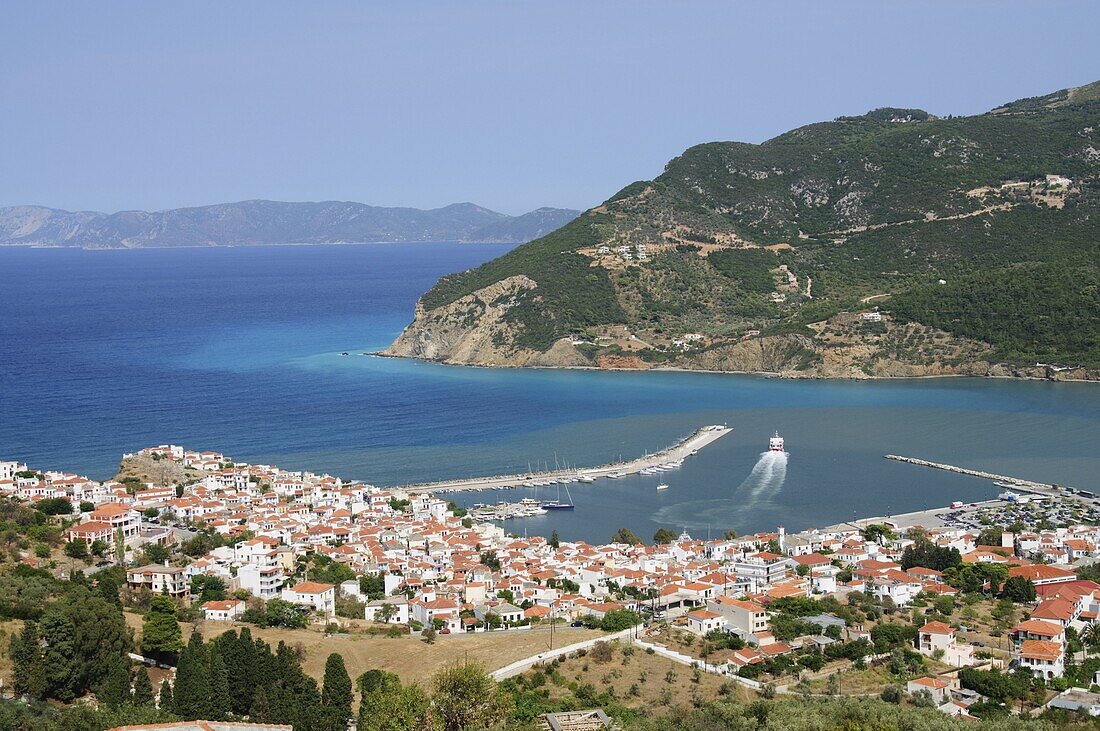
x: 767, y: 477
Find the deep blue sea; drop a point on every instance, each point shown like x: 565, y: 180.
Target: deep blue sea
x: 239, y: 349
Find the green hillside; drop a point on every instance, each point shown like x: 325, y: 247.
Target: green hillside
x: 735, y: 238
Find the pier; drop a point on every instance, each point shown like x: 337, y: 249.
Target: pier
x: 1038, y: 488
x: 681, y: 450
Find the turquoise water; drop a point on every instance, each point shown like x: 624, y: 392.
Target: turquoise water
x: 240, y: 350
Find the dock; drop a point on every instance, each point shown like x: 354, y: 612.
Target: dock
x: 1038, y: 488
x: 683, y: 449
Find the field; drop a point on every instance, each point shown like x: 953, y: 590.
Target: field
x: 636, y: 678
x: 409, y: 657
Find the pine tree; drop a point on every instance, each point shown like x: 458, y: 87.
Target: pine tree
x: 220, y: 704
x: 337, y: 692
x: 166, y: 701
x: 115, y: 689
x: 25, y: 654
x: 160, y: 632
x: 143, y: 688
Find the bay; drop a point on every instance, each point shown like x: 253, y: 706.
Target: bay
x: 241, y: 350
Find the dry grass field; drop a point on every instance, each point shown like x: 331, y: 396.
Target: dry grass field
x: 409, y: 657
x: 8, y: 628
x: 639, y: 679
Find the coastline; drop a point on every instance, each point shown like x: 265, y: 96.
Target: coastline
x: 786, y: 375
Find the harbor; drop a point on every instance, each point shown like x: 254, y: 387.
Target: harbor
x: 668, y: 458
x: 1040, y: 496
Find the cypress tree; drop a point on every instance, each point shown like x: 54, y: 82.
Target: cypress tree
x: 115, y: 689
x: 192, y: 689
x: 36, y: 687
x: 166, y: 701
x: 25, y: 654
x: 220, y: 704
x: 239, y: 656
x: 260, y: 712
x: 143, y: 688
x: 107, y: 588
x: 282, y: 706
x: 337, y: 692
x: 63, y: 667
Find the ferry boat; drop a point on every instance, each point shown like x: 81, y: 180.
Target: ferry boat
x: 775, y: 444
x: 662, y: 486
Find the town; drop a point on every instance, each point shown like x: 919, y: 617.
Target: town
x: 934, y: 615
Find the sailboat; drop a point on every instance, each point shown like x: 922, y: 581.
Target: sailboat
x: 558, y: 504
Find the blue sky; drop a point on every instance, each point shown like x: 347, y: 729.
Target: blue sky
x: 513, y: 105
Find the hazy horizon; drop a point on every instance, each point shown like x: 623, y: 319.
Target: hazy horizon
x: 512, y: 106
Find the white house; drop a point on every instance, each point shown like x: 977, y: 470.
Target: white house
x: 742, y: 617
x: 315, y: 595
x: 937, y: 637
x: 400, y: 610
x: 1044, y: 659
x: 159, y: 580
x: 938, y: 688
x: 223, y: 611
x: 704, y: 621
x: 262, y: 581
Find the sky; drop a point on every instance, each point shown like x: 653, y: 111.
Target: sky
x: 512, y: 105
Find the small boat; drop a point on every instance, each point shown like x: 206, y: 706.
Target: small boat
x: 775, y: 444
x: 586, y: 479
x: 662, y: 486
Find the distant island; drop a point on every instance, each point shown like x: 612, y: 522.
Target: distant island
x: 891, y: 244
x: 261, y: 222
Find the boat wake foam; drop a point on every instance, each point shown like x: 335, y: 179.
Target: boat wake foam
x: 767, y: 477
x: 755, y: 491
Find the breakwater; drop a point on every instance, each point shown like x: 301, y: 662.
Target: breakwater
x: 681, y: 450
x: 1041, y: 488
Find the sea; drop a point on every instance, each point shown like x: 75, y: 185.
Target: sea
x: 266, y: 354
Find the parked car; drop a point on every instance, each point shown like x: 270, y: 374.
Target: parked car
x: 576, y: 624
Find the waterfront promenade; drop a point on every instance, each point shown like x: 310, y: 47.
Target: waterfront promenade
x: 683, y: 449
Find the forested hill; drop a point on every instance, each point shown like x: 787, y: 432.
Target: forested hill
x: 271, y: 222
x: 891, y: 243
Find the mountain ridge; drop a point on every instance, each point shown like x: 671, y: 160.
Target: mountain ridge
x: 890, y: 243
x: 260, y: 222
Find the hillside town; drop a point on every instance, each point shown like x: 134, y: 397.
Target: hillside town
x: 758, y: 603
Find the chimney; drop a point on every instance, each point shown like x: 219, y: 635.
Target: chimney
x: 782, y: 539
